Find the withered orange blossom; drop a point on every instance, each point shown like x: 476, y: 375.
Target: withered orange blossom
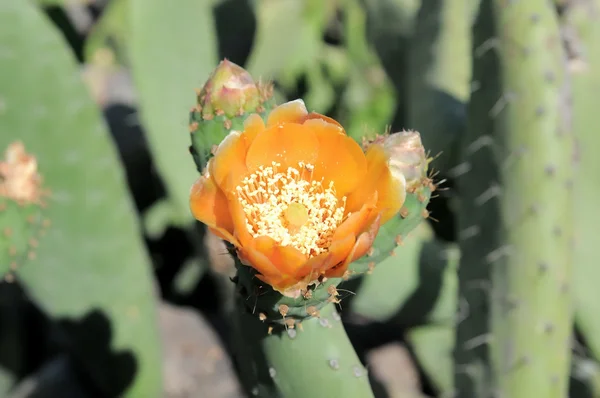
x: 297, y: 197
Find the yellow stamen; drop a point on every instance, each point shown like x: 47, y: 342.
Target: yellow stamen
x: 291, y: 208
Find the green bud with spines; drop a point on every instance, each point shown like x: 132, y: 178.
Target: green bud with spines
x: 229, y: 90
x: 226, y: 99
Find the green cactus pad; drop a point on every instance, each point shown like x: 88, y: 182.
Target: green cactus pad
x: 312, y: 359
x: 417, y: 289
x: 288, y: 37
x: 532, y: 266
x: 583, y: 19
x: 110, y: 32
x: 412, y: 280
x: 171, y: 50
x: 515, y: 215
x: 91, y: 273
x: 432, y: 346
x: 22, y: 226
x: 439, y: 77
x: 394, y: 232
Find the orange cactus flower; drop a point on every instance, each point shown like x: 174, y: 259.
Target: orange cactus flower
x: 297, y: 197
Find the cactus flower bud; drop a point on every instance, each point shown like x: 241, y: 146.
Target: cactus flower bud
x: 230, y: 90
x: 226, y: 99
x: 407, y: 158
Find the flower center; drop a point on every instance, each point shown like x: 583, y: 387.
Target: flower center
x: 291, y: 207
x: 296, y: 215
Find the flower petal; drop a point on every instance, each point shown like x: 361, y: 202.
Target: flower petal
x: 222, y: 234
x: 357, y: 221
x: 238, y: 217
x: 287, y: 144
x: 340, y: 159
x: 286, y: 259
x: 209, y: 206
x: 276, y: 264
x: 254, y: 258
x: 364, y: 242
x: 318, y: 116
x: 336, y: 266
x: 281, y: 284
x: 253, y: 125
x: 289, y: 112
x: 391, y: 192
x: 228, y: 166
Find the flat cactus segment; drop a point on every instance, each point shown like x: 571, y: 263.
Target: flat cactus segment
x: 22, y: 226
x: 395, y: 231
x: 407, y: 288
x: 310, y: 359
x: 417, y: 289
x: 385, y: 288
x: 300, y: 23
x: 172, y: 50
x: 516, y: 208
x: 91, y: 273
x: 582, y: 20
x: 532, y: 267
x: 109, y: 36
x: 440, y: 74
x: 432, y: 345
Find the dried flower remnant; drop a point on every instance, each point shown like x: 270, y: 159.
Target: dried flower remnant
x: 19, y: 177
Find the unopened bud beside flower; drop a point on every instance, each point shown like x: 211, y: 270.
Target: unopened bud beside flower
x: 226, y: 99
x: 230, y: 90
x: 407, y: 158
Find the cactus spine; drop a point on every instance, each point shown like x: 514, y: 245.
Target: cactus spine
x: 516, y: 214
